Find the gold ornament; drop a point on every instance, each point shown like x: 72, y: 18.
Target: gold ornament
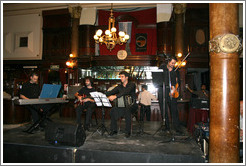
x: 227, y: 43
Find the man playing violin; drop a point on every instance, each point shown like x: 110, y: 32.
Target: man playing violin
x: 86, y: 102
x: 172, y: 82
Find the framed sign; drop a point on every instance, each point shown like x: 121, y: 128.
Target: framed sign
x: 141, y: 42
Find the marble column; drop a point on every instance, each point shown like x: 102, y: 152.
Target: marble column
x: 224, y: 45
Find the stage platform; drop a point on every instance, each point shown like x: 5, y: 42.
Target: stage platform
x: 21, y: 147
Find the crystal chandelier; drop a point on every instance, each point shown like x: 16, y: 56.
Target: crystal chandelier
x: 110, y: 38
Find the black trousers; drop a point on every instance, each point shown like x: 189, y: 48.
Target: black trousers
x: 145, y: 110
x: 35, y: 110
x: 171, y: 105
x: 90, y: 107
x: 118, y: 112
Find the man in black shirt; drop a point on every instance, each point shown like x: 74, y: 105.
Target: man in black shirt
x: 202, y: 94
x: 171, y: 78
x: 86, y: 102
x: 126, y: 88
x: 31, y: 90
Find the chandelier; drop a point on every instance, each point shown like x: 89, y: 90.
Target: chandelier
x: 110, y: 38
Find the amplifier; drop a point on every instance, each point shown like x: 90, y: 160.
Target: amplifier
x: 65, y: 134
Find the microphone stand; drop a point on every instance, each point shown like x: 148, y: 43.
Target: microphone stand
x: 163, y: 109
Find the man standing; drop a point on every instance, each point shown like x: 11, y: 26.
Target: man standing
x: 86, y: 102
x: 171, y: 79
x: 126, y: 88
x: 144, y: 99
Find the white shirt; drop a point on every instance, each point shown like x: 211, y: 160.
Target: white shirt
x: 145, y: 98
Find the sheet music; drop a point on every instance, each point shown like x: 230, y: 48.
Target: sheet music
x: 101, y: 99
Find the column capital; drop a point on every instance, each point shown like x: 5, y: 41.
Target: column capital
x: 179, y: 8
x: 227, y: 43
x: 75, y: 11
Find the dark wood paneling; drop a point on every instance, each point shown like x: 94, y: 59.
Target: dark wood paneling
x: 56, y: 18
x: 165, y: 38
x: 86, y: 40
x: 13, y: 114
x: 56, y: 43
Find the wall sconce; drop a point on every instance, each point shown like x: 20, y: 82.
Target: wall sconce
x: 179, y: 55
x: 71, y: 62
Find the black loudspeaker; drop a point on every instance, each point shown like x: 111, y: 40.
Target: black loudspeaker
x: 65, y: 134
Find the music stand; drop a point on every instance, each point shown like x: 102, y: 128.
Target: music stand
x: 101, y: 100
x: 158, y: 80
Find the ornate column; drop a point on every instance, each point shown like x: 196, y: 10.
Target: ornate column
x: 224, y: 83
x: 75, y: 16
x: 179, y: 10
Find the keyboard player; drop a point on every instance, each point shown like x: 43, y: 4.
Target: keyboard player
x: 31, y: 90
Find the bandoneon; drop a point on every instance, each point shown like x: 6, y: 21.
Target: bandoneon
x: 124, y: 101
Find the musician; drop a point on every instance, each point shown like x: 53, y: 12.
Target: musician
x: 125, y: 88
x: 171, y: 79
x: 31, y: 90
x: 202, y: 94
x: 144, y: 99
x: 86, y: 102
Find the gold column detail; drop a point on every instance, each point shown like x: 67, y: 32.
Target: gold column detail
x: 75, y: 11
x: 227, y: 43
x: 179, y: 8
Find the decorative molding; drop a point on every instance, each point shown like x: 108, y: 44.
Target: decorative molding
x: 227, y: 43
x: 75, y: 11
x: 179, y: 8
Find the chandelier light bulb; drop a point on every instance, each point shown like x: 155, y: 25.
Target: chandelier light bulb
x: 113, y: 29
x: 121, y: 34
x: 110, y: 35
x: 70, y: 55
x: 99, y: 32
x: 101, y: 39
x: 107, y: 32
x: 122, y: 39
x: 127, y: 37
x: 96, y: 37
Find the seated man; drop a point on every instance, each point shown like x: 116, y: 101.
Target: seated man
x: 31, y: 90
x: 86, y: 102
x: 126, y: 88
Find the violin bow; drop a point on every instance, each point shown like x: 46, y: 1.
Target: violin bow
x: 182, y: 61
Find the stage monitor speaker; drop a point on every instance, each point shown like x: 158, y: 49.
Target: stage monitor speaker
x: 65, y: 134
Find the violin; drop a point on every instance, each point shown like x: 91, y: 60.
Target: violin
x: 174, y: 91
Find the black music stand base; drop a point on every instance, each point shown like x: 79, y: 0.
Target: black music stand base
x: 161, y: 128
x: 102, y: 128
